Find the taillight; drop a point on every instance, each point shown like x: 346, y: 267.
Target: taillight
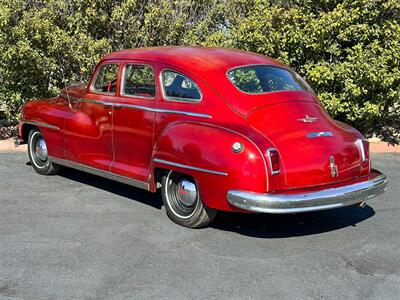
x: 363, y: 146
x: 273, y: 157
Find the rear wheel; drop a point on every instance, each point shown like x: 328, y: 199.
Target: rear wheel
x: 38, y: 155
x: 182, y: 201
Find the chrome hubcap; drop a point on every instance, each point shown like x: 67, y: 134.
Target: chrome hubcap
x: 41, y: 149
x: 187, y: 192
x: 182, y: 195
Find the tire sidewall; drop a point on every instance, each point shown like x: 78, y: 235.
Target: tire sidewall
x: 46, y: 168
x: 200, y: 216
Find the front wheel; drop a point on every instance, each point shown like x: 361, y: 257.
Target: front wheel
x: 182, y: 201
x: 38, y: 155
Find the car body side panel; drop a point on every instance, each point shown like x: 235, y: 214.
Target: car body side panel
x: 88, y: 136
x: 204, y: 151
x: 88, y: 130
x: 195, y: 138
x: 49, y: 116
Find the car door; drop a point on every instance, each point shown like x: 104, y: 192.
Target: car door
x: 88, y: 134
x: 133, y: 120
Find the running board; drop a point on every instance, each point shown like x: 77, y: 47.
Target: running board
x: 101, y: 173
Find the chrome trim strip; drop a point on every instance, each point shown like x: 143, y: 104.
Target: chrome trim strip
x: 312, y: 135
x: 122, y: 83
x: 101, y: 173
x: 145, y: 108
x: 309, y: 201
x: 91, y: 87
x: 178, y: 99
x: 166, y: 162
x: 161, y: 110
x: 41, y: 124
x: 96, y: 102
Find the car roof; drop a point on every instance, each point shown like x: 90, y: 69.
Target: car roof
x: 196, y: 60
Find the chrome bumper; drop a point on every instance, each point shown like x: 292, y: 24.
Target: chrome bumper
x: 280, y: 203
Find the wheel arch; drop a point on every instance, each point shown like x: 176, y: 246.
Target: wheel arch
x: 24, y: 131
x: 204, y: 152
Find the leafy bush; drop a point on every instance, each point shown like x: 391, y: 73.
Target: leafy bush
x: 349, y: 51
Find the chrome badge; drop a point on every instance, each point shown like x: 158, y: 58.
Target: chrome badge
x: 333, y: 166
x: 308, y: 119
x: 312, y: 135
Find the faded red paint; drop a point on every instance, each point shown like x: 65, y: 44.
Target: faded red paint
x: 125, y: 141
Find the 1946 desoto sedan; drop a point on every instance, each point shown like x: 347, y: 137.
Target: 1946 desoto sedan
x: 215, y: 129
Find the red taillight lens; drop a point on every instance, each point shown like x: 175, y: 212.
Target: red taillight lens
x: 273, y: 157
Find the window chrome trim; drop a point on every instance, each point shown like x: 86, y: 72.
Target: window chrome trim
x: 310, y: 90
x: 101, y: 173
x: 95, y: 78
x: 170, y: 163
x: 40, y: 124
x: 134, y: 96
x: 178, y: 99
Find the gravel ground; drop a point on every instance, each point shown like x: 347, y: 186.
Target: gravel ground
x: 75, y: 236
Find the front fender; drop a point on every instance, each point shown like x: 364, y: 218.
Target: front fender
x: 204, y: 151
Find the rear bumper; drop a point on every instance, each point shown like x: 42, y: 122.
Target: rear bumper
x: 304, y: 201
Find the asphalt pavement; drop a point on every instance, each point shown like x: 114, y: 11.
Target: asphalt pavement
x: 76, y: 236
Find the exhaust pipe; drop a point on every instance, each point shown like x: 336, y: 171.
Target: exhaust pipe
x: 362, y: 204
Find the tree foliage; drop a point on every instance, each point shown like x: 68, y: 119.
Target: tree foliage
x: 349, y: 51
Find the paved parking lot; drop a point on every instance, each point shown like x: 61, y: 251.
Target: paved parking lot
x: 79, y: 236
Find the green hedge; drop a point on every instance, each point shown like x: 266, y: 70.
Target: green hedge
x: 349, y: 51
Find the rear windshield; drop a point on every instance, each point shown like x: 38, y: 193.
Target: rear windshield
x: 257, y: 79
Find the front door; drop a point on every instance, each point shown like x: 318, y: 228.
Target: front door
x: 88, y: 133
x: 134, y: 120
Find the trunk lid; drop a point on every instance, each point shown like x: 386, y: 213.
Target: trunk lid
x: 307, y: 138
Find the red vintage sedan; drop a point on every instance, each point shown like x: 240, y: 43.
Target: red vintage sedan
x: 215, y: 129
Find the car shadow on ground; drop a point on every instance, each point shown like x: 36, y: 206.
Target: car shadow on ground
x: 292, y: 225
x: 120, y: 189
x: 252, y: 225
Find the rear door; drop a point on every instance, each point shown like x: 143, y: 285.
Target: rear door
x: 133, y: 120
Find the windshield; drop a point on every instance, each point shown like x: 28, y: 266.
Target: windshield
x: 257, y: 79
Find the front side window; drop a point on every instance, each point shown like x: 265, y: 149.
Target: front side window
x: 138, y: 81
x: 106, y: 79
x: 177, y: 86
x: 259, y: 79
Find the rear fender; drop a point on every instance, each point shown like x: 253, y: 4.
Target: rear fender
x: 204, y: 151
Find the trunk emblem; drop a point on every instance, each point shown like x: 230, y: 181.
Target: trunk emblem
x: 319, y: 134
x: 334, y: 167
x: 308, y: 119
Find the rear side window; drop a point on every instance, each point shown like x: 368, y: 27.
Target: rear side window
x: 179, y: 87
x: 138, y: 81
x: 106, y: 79
x: 263, y: 79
